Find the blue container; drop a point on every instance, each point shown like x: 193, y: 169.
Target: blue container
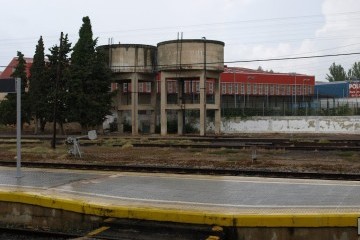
x: 338, y: 89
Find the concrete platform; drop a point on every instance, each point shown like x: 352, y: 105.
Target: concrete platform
x: 212, y: 200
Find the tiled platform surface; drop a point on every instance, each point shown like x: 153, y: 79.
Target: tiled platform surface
x: 225, y: 201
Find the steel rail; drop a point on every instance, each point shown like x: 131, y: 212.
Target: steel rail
x: 192, y: 170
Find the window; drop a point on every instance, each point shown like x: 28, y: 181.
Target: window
x: 310, y: 90
x: 170, y: 86
x: 125, y: 87
x: 255, y: 88
x: 288, y: 90
x: 236, y: 88
x: 148, y: 87
x: 197, y: 87
x: 260, y: 86
x: 271, y: 89
x: 211, y: 87
x: 230, y: 88
x: 223, y: 88
x: 266, y: 89
x: 248, y: 88
x: 141, y: 87
x: 242, y: 88
x: 186, y: 87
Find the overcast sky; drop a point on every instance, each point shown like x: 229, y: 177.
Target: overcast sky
x: 251, y: 29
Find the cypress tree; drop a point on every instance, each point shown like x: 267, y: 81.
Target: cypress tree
x: 90, y: 81
x: 8, y: 105
x: 59, y: 58
x: 39, y: 88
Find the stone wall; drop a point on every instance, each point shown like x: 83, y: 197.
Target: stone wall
x: 300, y: 124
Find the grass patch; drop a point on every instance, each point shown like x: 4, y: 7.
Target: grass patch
x: 43, y: 150
x: 349, y: 156
x: 223, y: 151
x: 194, y: 150
x: 127, y: 145
x: 237, y: 158
x: 323, y: 140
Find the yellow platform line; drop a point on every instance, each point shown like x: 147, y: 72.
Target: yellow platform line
x: 184, y: 216
x: 97, y: 231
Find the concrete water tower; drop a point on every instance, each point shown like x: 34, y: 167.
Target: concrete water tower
x: 131, y: 65
x: 192, y: 67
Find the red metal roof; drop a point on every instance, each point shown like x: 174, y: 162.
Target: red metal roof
x: 13, y: 63
x: 246, y: 75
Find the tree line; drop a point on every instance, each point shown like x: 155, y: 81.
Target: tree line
x: 70, y: 84
x: 338, y: 73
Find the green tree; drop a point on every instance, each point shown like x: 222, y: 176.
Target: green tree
x: 337, y: 73
x: 8, y: 105
x: 354, y: 72
x: 58, y: 76
x: 90, y: 81
x: 39, y: 88
x: 260, y: 69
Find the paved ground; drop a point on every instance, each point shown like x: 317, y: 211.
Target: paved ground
x: 200, y: 193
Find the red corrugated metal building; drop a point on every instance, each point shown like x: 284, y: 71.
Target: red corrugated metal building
x: 262, y: 83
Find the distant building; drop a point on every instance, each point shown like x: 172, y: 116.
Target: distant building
x: 12, y: 65
x: 10, y: 69
x: 240, y: 87
x: 338, y: 89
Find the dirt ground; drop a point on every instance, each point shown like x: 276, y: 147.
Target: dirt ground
x: 106, y: 153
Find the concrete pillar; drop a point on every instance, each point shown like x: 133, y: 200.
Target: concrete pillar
x: 134, y: 104
x: 118, y: 104
x: 120, y: 123
x: 153, y: 105
x: 217, y: 94
x: 202, y: 104
x: 181, y: 111
x: 163, y: 103
x: 180, y: 123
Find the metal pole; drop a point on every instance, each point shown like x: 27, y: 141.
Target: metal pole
x: 58, y: 72
x: 295, y: 95
x: 205, y: 77
x: 18, y: 128
x: 234, y: 89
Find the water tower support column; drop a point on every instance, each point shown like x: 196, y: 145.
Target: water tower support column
x: 180, y: 102
x: 134, y: 103
x: 202, y: 105
x: 163, y: 103
x: 218, y: 106
x: 153, y: 105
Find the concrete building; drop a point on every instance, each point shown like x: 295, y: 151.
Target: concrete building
x: 190, y: 59
x: 132, y: 64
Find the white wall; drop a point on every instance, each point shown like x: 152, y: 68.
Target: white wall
x: 314, y: 124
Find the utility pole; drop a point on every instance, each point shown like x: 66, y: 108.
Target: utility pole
x: 58, y: 74
x: 204, y: 88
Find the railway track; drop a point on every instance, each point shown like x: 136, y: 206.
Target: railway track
x: 189, y: 170
x: 307, y: 144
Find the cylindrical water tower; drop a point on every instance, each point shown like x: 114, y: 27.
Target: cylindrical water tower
x: 189, y: 53
x: 185, y: 60
x: 133, y: 64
